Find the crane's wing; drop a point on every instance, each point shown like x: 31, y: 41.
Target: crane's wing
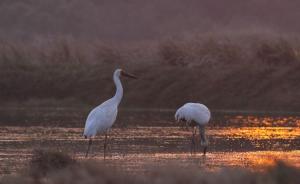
x: 100, y: 119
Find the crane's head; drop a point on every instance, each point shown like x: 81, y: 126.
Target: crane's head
x: 120, y: 72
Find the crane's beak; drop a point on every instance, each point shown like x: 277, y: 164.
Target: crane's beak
x: 128, y: 75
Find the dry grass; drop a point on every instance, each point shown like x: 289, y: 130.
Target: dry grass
x: 236, y: 55
x: 46, y: 161
x: 221, y: 71
x: 64, y: 170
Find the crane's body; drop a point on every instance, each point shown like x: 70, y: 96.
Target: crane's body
x: 193, y: 112
x: 102, y: 117
x: 198, y: 113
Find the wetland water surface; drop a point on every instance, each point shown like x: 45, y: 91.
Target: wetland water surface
x: 140, y: 138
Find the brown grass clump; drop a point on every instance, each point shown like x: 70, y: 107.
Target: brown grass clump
x: 47, y: 161
x: 65, y: 171
x: 276, y: 52
x: 225, y: 51
x: 173, y: 54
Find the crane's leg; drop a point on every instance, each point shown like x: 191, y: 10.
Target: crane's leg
x: 193, y: 143
x: 105, y: 145
x: 204, y: 142
x: 87, y: 152
x: 195, y: 139
x: 108, y: 142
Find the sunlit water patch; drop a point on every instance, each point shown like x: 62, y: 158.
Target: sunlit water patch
x: 135, y: 147
x: 266, y: 121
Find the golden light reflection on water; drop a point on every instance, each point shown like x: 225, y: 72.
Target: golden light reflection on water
x: 212, y: 161
x: 251, y: 120
x: 252, y: 159
x: 251, y: 133
x: 257, y: 133
x: 135, y: 147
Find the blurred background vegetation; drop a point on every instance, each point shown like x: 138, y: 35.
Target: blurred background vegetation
x: 244, y: 55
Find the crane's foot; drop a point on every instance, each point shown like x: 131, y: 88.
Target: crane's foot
x: 205, y: 146
x: 204, y: 150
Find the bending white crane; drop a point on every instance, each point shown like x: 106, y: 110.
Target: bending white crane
x: 198, y: 113
x: 102, y: 117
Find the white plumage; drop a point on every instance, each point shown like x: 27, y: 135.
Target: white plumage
x: 193, y: 112
x: 102, y: 117
x: 198, y: 113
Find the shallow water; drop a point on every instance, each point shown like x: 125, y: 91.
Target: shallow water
x: 249, y: 141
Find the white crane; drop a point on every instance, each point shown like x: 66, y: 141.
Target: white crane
x: 198, y: 113
x: 102, y: 117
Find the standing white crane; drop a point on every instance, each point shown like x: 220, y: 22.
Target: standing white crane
x: 198, y: 113
x: 102, y: 117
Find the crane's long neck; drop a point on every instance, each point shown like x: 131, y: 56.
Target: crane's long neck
x: 119, y: 89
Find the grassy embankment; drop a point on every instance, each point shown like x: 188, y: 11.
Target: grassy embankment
x: 225, y: 72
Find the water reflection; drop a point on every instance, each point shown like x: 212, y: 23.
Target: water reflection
x: 136, y: 147
x: 257, y: 133
x: 59, y: 133
x: 142, y: 137
x: 251, y: 120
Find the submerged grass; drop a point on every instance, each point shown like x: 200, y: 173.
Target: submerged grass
x: 65, y: 170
